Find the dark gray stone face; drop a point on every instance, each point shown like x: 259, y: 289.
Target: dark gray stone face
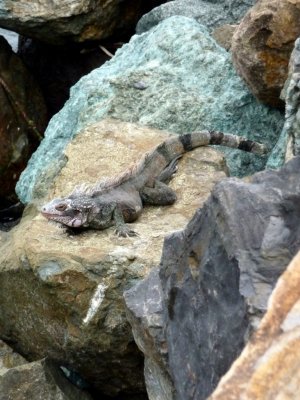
x: 215, y: 279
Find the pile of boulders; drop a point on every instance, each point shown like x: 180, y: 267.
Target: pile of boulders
x: 161, y: 315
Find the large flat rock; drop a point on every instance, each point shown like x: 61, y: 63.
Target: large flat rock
x: 62, y: 295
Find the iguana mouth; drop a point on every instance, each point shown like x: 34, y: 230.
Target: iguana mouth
x: 48, y: 215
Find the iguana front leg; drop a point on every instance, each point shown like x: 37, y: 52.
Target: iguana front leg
x: 122, y: 229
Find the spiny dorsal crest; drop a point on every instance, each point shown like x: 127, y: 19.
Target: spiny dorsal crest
x: 107, y: 183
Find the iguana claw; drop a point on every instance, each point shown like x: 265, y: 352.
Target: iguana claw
x: 125, y: 231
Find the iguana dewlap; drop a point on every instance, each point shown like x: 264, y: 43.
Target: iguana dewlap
x: 120, y: 199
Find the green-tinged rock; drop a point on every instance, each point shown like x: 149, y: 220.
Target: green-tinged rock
x: 207, y: 12
x: 173, y: 77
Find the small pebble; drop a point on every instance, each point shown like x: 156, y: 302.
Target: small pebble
x: 140, y: 85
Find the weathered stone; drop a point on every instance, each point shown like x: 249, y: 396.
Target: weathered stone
x: 269, y: 366
x: 262, y: 45
x: 72, y: 20
x: 211, y: 13
x: 22, y: 114
x: 62, y: 295
x: 223, y: 35
x: 38, y: 380
x: 189, y: 84
x: 9, y: 358
x: 145, y: 312
x: 192, y: 317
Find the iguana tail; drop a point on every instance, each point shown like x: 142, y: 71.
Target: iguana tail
x: 145, y: 171
x: 157, y: 159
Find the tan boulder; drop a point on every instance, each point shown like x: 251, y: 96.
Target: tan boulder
x: 269, y: 366
x: 61, y: 295
x: 262, y: 45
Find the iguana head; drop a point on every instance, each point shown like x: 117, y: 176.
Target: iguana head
x: 68, y: 211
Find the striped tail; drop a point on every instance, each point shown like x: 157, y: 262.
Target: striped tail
x: 178, y: 145
x: 156, y: 160
x: 204, y: 138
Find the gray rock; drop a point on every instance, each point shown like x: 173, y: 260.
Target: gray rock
x: 215, y: 279
x: 211, y: 13
x: 145, y: 313
x: 188, y: 82
x: 268, y: 366
x: 38, y: 380
x: 289, y: 143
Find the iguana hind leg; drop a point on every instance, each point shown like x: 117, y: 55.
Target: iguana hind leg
x: 167, y: 174
x: 159, y: 195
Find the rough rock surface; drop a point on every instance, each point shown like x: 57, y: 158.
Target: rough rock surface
x: 223, y: 35
x: 192, y: 316
x: 9, y: 358
x: 174, y: 77
x: 289, y: 141
x: 262, y: 45
x: 71, y: 20
x: 62, y: 295
x: 211, y: 13
x: 22, y: 109
x: 38, y: 380
x: 269, y: 366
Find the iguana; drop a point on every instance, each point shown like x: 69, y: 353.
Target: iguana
x: 120, y: 199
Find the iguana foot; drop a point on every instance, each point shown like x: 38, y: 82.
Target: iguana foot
x: 125, y: 231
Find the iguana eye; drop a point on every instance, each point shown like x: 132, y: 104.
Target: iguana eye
x: 61, y: 207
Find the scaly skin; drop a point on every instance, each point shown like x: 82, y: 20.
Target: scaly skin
x: 120, y: 199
